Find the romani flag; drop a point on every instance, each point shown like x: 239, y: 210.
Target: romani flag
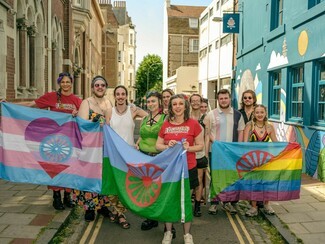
x: 50, y: 148
x: 152, y: 187
x: 256, y: 171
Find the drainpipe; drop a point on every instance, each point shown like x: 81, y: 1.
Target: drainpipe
x: 49, y: 46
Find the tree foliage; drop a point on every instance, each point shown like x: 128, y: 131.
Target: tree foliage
x: 149, y: 75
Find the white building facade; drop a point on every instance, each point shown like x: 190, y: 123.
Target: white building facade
x: 215, y: 51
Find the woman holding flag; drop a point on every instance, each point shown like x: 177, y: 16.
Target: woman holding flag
x: 180, y: 128
x: 259, y: 130
x: 63, y: 101
x: 149, y: 129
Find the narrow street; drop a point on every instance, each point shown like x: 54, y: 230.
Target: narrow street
x: 220, y: 228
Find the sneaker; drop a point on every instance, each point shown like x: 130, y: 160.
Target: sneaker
x: 188, y: 239
x: 173, y: 231
x: 229, y: 208
x: 213, y: 209
x: 252, y: 212
x: 168, y: 236
x: 268, y: 209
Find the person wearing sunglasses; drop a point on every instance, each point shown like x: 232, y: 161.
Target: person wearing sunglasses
x: 94, y: 108
x: 248, y: 101
x: 63, y: 101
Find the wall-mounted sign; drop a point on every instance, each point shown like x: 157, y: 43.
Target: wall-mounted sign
x: 230, y: 23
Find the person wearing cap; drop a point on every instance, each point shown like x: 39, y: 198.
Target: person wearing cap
x: 95, y: 109
x: 63, y: 101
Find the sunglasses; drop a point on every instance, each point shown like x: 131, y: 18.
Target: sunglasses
x: 248, y: 98
x: 99, y: 85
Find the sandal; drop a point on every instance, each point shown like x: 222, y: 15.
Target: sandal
x: 122, y: 222
x: 113, y: 217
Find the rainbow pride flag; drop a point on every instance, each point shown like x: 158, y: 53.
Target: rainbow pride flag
x: 152, y: 187
x: 256, y: 171
x: 50, y: 148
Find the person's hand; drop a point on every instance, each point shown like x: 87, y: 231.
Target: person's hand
x: 172, y: 143
x: 74, y: 113
x: 186, y: 145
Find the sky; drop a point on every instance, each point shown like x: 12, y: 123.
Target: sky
x: 147, y: 16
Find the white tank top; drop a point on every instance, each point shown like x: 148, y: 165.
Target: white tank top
x: 123, y: 125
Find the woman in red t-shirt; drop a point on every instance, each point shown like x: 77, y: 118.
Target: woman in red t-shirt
x: 180, y: 127
x: 63, y: 101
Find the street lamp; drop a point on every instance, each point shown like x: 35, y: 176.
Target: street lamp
x: 148, y: 71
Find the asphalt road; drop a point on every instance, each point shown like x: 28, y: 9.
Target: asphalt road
x: 220, y: 228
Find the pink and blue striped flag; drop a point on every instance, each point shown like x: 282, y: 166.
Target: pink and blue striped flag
x: 256, y: 171
x: 50, y: 148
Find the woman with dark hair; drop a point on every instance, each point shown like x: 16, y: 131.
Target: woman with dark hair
x: 259, y: 130
x: 95, y: 109
x: 166, y: 95
x: 204, y: 106
x: 248, y: 101
x: 149, y: 129
x: 179, y: 127
x: 63, y: 101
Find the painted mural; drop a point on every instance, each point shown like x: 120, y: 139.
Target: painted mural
x: 311, y: 141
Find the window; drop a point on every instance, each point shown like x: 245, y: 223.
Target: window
x: 204, y: 18
x: 225, y: 40
x: 194, y: 45
x: 276, y: 13
x: 203, y: 52
x: 119, y: 56
x: 320, y: 114
x: 312, y: 3
x: 217, y: 44
x: 131, y: 59
x: 218, y: 5
x: 297, y: 93
x: 194, y: 23
x: 210, y: 48
x: 275, y: 88
x: 223, y: 2
x: 130, y: 78
x: 131, y: 39
x: 211, y: 12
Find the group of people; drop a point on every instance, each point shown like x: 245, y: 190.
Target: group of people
x: 170, y: 119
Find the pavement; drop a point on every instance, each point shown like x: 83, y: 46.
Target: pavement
x: 27, y: 215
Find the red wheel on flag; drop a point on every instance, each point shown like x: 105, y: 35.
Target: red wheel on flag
x: 252, y: 160
x: 143, y: 184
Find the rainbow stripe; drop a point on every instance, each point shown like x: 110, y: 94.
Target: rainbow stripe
x: 256, y: 171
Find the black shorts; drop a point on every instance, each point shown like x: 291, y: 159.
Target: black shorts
x: 202, y: 163
x: 193, y: 177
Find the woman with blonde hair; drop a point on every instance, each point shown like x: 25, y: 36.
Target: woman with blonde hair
x: 259, y: 130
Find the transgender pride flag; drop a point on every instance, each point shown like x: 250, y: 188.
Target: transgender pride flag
x: 50, y: 148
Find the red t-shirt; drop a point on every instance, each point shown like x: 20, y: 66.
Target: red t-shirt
x: 187, y: 130
x: 50, y: 100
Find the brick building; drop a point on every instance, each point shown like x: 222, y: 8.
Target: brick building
x: 42, y: 39
x: 181, y: 44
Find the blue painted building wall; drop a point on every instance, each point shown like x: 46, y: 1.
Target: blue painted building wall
x: 263, y: 49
